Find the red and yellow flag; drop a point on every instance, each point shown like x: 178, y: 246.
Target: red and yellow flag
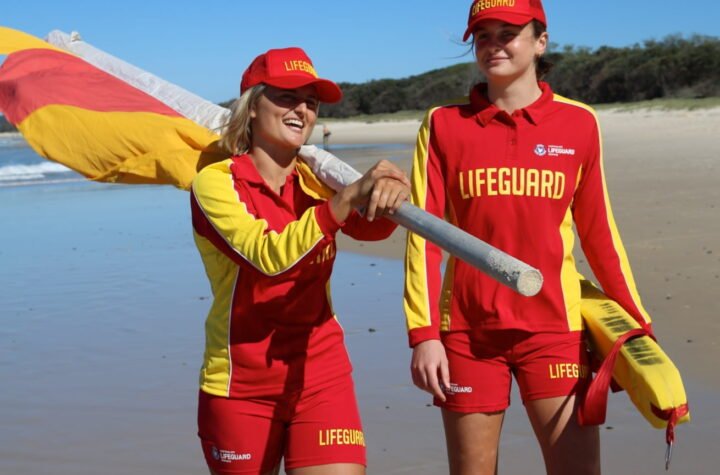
x: 73, y: 113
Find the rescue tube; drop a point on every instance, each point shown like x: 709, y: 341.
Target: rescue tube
x: 636, y: 363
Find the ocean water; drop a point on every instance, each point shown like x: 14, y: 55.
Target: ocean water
x: 20, y: 165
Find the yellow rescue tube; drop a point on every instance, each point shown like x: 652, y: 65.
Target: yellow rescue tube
x: 642, y: 368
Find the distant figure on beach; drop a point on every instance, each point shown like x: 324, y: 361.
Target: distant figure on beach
x: 276, y: 380
x: 515, y: 165
x: 326, y: 136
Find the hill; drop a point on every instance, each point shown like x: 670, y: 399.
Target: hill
x: 674, y: 67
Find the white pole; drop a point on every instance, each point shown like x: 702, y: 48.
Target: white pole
x: 495, y: 263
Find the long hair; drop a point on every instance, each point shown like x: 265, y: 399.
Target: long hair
x: 542, y: 65
x: 236, y: 137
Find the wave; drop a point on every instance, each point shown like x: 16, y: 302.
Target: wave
x: 33, y: 172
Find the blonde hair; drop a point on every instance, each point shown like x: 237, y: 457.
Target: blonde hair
x: 236, y: 136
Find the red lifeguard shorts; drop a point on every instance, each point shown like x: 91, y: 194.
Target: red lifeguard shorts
x: 481, y: 366
x: 306, y: 428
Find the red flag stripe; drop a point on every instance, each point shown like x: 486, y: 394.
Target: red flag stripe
x: 34, y: 78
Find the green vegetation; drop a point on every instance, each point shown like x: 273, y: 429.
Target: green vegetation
x: 388, y: 96
x: 673, y: 68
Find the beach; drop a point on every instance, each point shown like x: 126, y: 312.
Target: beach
x: 104, y: 299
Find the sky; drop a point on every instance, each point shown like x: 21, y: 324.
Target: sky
x: 204, y: 46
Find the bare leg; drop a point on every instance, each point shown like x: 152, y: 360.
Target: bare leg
x: 330, y: 469
x: 472, y: 441
x: 567, y: 447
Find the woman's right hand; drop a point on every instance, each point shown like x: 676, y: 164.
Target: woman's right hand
x: 429, y: 368
x: 381, y: 190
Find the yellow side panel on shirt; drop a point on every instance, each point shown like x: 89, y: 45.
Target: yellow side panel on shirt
x: 417, y: 307
x: 568, y: 275
x: 222, y: 273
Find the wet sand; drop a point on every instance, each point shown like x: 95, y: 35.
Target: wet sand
x: 103, y: 314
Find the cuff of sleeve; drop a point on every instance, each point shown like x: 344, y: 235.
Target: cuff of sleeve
x: 419, y: 335
x: 384, y: 224
x: 326, y: 219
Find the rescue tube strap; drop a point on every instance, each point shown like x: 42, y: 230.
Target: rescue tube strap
x: 593, y: 407
x: 672, y: 416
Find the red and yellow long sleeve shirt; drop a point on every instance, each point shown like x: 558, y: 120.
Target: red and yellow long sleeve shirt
x: 517, y: 181
x: 268, y: 256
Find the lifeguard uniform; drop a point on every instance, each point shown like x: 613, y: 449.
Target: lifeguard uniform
x: 516, y: 181
x: 274, y: 355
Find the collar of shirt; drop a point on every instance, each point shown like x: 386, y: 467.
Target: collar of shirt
x: 245, y: 170
x: 485, y: 111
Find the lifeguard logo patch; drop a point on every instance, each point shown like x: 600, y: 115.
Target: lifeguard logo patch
x: 458, y: 389
x: 553, y: 150
x: 557, y: 150
x: 229, y: 456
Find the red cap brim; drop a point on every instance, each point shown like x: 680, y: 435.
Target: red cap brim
x: 327, y: 91
x: 507, y: 17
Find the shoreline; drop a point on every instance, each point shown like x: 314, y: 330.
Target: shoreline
x: 11, y: 134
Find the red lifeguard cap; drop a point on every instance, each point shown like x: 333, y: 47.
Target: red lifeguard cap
x: 288, y: 68
x: 515, y: 12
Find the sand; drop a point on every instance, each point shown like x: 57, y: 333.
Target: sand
x: 350, y: 132
x: 103, y: 313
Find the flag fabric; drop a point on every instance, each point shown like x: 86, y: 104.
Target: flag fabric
x: 71, y: 112
x: 192, y: 106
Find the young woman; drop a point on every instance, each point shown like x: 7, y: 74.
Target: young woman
x: 275, y: 383
x: 514, y: 165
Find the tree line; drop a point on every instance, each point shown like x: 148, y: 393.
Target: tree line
x: 672, y: 67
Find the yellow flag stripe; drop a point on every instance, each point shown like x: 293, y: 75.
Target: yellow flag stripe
x: 123, y: 147
x: 12, y: 41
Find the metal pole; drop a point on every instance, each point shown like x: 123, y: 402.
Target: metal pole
x: 495, y: 263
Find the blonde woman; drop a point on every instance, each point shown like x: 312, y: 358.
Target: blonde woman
x: 276, y: 379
